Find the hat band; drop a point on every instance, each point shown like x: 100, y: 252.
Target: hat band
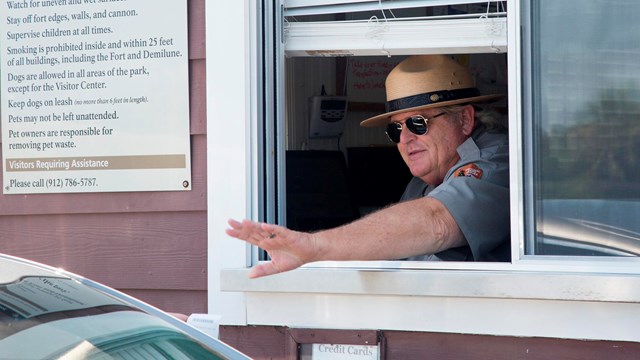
x: 431, y: 98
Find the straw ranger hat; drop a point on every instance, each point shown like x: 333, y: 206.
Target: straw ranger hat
x: 427, y: 81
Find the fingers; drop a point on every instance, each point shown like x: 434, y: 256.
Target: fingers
x: 275, y: 239
x: 263, y: 269
x: 252, y: 232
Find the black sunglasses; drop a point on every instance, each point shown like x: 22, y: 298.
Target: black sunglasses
x: 417, y: 124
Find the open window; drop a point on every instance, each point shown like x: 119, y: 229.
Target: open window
x: 574, y: 123
x: 330, y: 63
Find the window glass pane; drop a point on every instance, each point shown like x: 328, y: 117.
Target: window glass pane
x: 586, y: 127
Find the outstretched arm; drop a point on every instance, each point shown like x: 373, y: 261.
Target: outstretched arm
x: 421, y: 226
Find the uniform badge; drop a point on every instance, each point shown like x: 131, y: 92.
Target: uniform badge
x: 469, y: 170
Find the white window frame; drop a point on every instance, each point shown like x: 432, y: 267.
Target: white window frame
x: 466, y: 35
x: 540, y: 296
x: 397, y: 38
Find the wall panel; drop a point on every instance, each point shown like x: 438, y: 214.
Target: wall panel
x: 148, y: 244
x: 271, y: 343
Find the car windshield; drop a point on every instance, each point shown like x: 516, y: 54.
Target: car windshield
x: 60, y: 318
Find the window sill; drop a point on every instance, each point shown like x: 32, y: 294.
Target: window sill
x: 442, y: 283
x: 467, y: 301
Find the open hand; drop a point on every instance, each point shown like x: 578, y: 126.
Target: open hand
x: 288, y: 249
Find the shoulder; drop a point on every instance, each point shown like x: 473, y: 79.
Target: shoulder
x: 485, y: 156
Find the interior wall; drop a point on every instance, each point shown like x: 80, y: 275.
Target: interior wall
x: 305, y: 78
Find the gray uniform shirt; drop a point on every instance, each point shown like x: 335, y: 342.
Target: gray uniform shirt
x: 476, y: 193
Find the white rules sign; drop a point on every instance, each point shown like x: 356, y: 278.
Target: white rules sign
x: 94, y: 96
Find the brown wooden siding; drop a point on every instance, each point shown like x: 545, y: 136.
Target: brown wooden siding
x: 149, y: 244
x: 271, y: 342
